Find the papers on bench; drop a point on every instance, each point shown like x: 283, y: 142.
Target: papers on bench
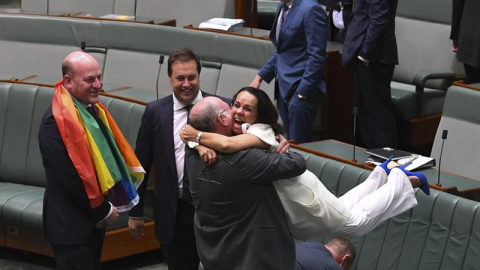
x: 420, y: 162
x: 400, y: 157
x: 386, y: 152
x: 223, y: 24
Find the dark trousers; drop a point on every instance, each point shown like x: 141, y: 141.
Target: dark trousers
x: 376, y: 121
x: 473, y: 74
x: 80, y: 257
x: 298, y: 116
x: 181, y: 252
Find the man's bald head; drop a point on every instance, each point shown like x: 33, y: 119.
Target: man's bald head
x: 82, y: 77
x: 72, y: 59
x: 211, y: 114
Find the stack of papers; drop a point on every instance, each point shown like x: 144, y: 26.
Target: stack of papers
x: 400, y: 157
x: 420, y: 162
x: 223, y: 24
x: 386, y: 152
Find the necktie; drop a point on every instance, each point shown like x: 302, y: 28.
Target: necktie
x: 186, y: 195
x: 281, y: 19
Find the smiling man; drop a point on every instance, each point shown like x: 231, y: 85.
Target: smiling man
x: 159, y: 143
x: 84, y: 156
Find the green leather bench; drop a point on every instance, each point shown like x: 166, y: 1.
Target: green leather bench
x: 461, y: 118
x: 22, y: 177
x: 441, y: 232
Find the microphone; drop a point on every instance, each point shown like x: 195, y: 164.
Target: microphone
x: 160, y: 61
x: 444, y: 136
x: 355, y: 114
x: 251, y: 18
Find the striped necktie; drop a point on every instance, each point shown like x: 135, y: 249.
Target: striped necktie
x: 283, y: 14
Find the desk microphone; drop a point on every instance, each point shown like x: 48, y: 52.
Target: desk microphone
x: 160, y: 61
x: 444, y: 136
x: 251, y: 18
x: 355, y: 114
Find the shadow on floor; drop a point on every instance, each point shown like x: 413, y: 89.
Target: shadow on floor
x: 12, y: 259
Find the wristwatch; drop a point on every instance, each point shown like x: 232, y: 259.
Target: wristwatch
x: 301, y: 96
x: 196, y: 142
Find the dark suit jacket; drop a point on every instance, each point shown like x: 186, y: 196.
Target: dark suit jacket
x: 314, y: 256
x: 155, y: 146
x: 239, y: 220
x: 300, y: 52
x: 466, y: 29
x: 371, y: 33
x: 67, y: 216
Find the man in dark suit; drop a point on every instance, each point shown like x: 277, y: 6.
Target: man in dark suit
x: 465, y: 34
x: 299, y: 34
x: 74, y: 223
x: 159, y: 144
x: 239, y: 220
x: 337, y: 254
x: 370, y: 46
x: 339, y: 14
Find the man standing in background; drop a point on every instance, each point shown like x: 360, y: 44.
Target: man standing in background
x: 299, y: 34
x: 371, y: 48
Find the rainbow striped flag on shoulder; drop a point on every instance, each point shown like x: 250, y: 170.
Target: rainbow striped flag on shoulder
x: 99, y: 152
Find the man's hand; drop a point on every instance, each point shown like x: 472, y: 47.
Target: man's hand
x: 209, y: 156
x: 283, y: 145
x: 109, y: 220
x: 188, y: 133
x: 256, y: 82
x: 455, y: 46
x: 137, y: 228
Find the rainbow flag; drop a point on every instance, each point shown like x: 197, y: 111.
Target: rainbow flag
x: 103, y: 159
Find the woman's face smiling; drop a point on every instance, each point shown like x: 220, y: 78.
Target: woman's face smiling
x: 244, y: 110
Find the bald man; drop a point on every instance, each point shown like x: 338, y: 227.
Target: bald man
x: 75, y: 214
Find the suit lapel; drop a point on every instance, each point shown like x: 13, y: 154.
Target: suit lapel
x: 166, y: 134
x: 288, y: 19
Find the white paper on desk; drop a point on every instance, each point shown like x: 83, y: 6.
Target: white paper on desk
x: 222, y: 24
x: 419, y: 162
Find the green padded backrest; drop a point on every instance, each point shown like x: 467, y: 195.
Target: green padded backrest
x: 442, y: 232
x: 461, y: 118
x: 439, y: 11
x: 20, y: 160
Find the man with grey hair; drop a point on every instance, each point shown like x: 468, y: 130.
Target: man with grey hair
x: 239, y: 220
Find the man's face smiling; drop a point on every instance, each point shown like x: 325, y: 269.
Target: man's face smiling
x: 86, y: 82
x: 185, y: 81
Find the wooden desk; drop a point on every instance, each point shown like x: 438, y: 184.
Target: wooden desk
x: 247, y: 10
x: 475, y: 86
x: 136, y: 19
x: 245, y: 32
x: 449, y: 182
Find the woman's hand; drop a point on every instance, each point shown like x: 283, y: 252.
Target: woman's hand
x: 209, y: 156
x: 283, y: 145
x: 188, y: 133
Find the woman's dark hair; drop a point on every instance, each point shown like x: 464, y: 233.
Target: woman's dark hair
x: 267, y: 112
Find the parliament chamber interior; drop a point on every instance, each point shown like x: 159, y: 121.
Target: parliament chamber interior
x: 129, y: 37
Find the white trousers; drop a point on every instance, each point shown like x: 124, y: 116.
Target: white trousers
x: 312, y: 211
